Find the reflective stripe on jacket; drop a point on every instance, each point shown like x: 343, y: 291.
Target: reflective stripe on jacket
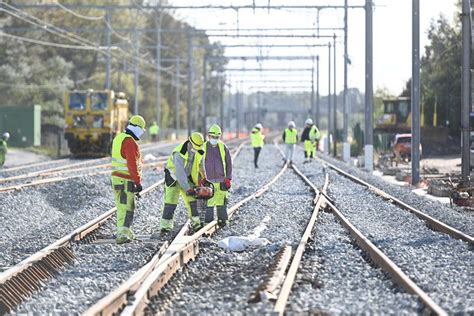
x: 256, y: 138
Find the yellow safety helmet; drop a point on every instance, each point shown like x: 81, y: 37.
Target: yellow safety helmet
x: 138, y: 121
x: 215, y: 130
x: 197, y: 140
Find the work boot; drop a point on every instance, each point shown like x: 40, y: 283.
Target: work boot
x: 122, y: 240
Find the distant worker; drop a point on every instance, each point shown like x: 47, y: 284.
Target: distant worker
x: 182, y: 172
x: 290, y: 138
x: 310, y: 137
x: 3, y: 148
x: 256, y: 138
x: 153, y: 130
x: 127, y: 175
x: 218, y: 166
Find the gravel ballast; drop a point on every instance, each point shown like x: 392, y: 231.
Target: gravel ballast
x: 222, y: 281
x: 101, y: 268
x: 335, y: 276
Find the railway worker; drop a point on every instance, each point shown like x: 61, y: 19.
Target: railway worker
x: 153, y: 130
x: 218, y: 166
x: 256, y: 138
x: 3, y: 148
x: 182, y: 172
x: 310, y: 138
x: 126, y: 175
x: 290, y: 138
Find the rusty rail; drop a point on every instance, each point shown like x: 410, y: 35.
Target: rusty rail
x: 431, y: 222
x: 377, y: 256
x: 178, y: 254
x: 19, y: 281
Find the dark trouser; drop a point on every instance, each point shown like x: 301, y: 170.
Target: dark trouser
x: 256, y: 151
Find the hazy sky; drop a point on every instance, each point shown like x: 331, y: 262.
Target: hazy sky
x: 392, y: 39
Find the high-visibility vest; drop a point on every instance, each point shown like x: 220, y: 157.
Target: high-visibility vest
x: 221, y: 151
x: 182, y: 150
x: 314, y: 133
x: 153, y: 130
x: 119, y: 163
x: 256, y: 138
x: 3, y: 146
x: 290, y: 136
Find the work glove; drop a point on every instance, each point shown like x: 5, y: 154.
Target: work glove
x: 190, y: 192
x: 227, y: 183
x: 138, y: 188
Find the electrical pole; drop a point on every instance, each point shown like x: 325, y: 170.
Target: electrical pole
x: 328, y: 147
x: 204, y: 96
x: 190, y: 81
x: 466, y: 88
x: 415, y: 94
x: 177, y: 97
x: 237, y: 106
x: 221, y: 101
x: 369, y: 148
x: 137, y: 72
x: 312, y: 105
x: 346, y: 151
x: 317, y: 92
x: 108, y: 44
x: 158, y: 20
x: 335, y: 103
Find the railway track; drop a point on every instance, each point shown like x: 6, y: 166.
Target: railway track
x: 376, y: 255
x: 75, y: 169
x: 144, y: 289
x: 18, y: 282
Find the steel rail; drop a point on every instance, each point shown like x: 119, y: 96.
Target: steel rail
x: 65, y: 178
x: 132, y: 297
x: 116, y: 300
x: 145, y: 147
x: 19, y: 281
x: 66, y: 170
x: 430, y: 221
x: 319, y: 201
x: 34, y: 164
x: 377, y: 256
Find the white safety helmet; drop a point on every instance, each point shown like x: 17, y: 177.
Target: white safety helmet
x: 6, y: 135
x: 259, y: 126
x: 291, y: 124
x: 309, y: 122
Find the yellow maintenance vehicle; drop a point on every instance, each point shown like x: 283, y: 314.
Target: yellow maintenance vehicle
x: 396, y: 119
x: 93, y: 118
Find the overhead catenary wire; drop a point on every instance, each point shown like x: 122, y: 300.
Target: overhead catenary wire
x: 90, y: 18
x: 43, y: 25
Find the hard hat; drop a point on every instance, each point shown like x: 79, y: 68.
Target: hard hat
x: 259, y: 126
x: 137, y: 120
x: 309, y: 122
x: 154, y: 123
x: 291, y: 124
x: 197, y: 140
x: 215, y: 130
x: 6, y: 135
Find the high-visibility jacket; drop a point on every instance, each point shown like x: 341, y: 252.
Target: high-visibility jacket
x: 121, y: 165
x: 256, y: 138
x: 291, y: 136
x: 182, y: 150
x: 222, y: 152
x: 154, y: 129
x: 3, y: 147
x: 314, y: 133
